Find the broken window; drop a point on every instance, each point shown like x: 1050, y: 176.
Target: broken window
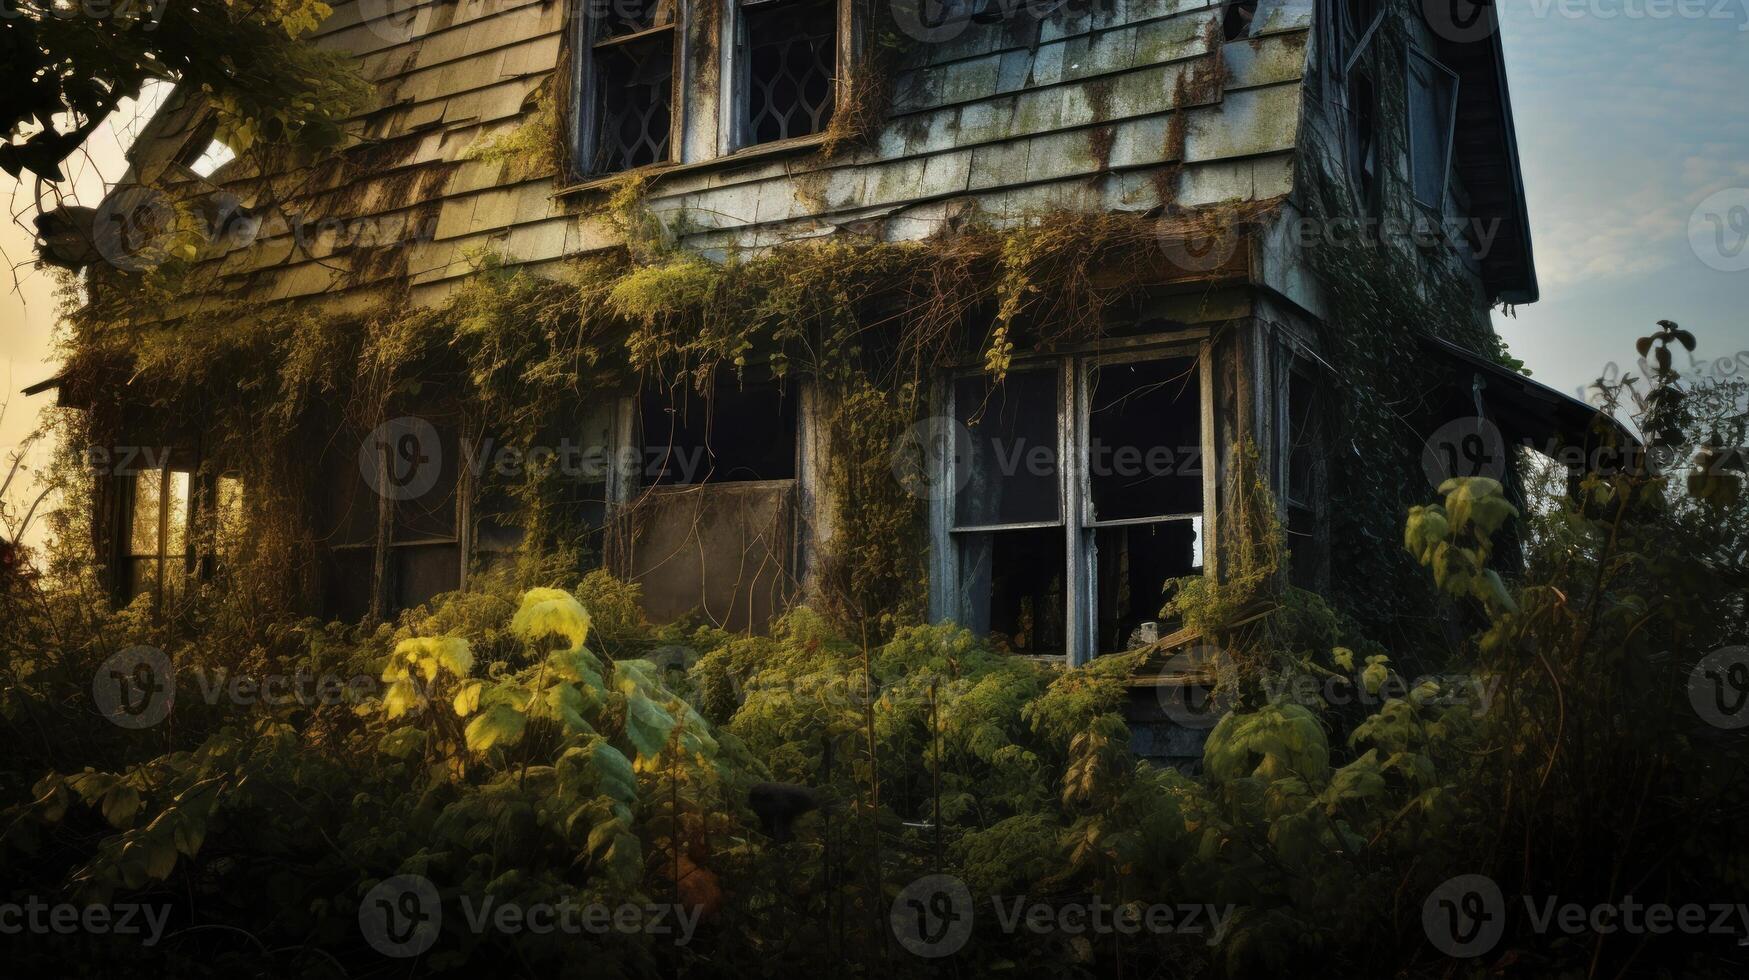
x: 628, y: 85
x: 1144, y: 476
x: 206, y: 153
x: 1353, y: 29
x: 1008, y: 513
x: 1239, y: 19
x: 787, y: 57
x: 1073, y: 559
x: 1304, y: 483
x: 711, y: 532
x: 739, y: 433
x: 1432, y: 126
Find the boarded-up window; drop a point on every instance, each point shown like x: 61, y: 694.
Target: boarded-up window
x: 787, y: 59
x: 627, y: 85
x: 712, y: 531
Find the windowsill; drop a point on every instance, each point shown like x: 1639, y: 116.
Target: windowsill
x: 745, y: 155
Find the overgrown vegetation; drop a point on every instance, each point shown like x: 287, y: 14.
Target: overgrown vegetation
x: 547, y: 744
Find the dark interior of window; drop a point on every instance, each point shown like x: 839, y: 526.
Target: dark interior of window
x: 1010, y: 471
x: 790, y: 55
x: 1016, y: 580
x: 1144, y: 438
x: 1239, y: 18
x: 1432, y: 102
x: 1135, y: 563
x: 1304, y: 476
x: 740, y: 433
x: 632, y: 71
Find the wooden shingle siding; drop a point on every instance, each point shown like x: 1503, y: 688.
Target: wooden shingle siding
x: 1097, y: 106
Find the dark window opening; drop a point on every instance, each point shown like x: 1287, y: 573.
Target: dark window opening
x: 400, y: 486
x: 1363, y: 153
x: 1011, y: 474
x: 1144, y: 439
x: 1240, y: 17
x: 1145, y: 489
x: 738, y: 434
x: 1015, y: 581
x: 1304, y: 485
x: 1135, y: 563
x: 789, y: 55
x: 630, y: 71
x: 1432, y: 125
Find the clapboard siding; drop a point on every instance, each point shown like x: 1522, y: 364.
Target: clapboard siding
x: 1117, y: 105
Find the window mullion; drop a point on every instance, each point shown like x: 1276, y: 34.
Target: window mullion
x: 1079, y: 584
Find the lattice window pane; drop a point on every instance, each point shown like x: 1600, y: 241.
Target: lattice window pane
x: 792, y: 55
x: 636, y: 92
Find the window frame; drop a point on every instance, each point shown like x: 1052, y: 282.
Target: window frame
x: 733, y: 64
x: 948, y: 597
x: 1410, y: 53
x: 127, y: 557
x: 1351, y: 49
x: 587, y: 116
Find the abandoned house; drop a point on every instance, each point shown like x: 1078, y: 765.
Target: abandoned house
x: 1078, y: 480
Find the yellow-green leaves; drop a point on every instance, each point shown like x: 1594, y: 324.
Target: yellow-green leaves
x: 427, y: 655
x: 551, y: 612
x: 467, y: 698
x: 1277, y: 742
x: 1376, y: 673
x: 499, y: 724
x: 1455, y: 540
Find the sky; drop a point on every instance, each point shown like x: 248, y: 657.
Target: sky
x: 1626, y: 125
x: 1634, y: 139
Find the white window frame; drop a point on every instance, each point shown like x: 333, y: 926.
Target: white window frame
x: 586, y: 121
x: 732, y: 69
x: 948, y: 601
